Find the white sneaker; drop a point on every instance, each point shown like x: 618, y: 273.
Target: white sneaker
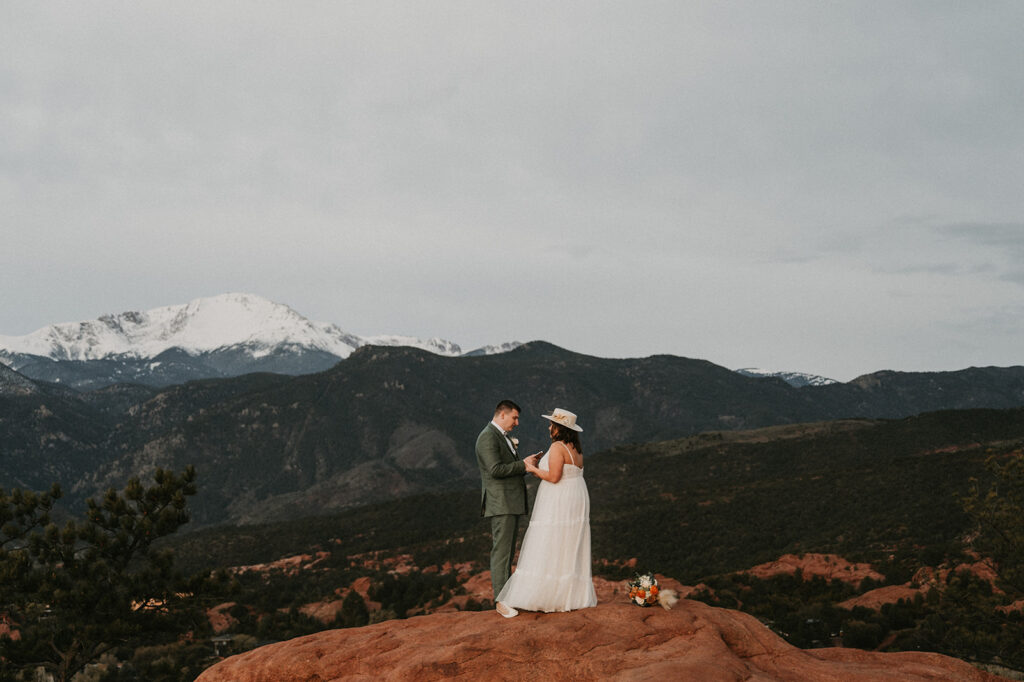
x: 506, y: 611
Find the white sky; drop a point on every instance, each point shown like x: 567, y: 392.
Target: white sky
x: 827, y: 187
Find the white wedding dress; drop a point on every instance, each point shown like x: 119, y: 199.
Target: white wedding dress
x: 553, y: 572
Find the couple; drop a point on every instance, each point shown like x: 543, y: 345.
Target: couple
x: 553, y: 572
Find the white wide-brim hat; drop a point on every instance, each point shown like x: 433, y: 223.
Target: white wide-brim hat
x: 563, y: 418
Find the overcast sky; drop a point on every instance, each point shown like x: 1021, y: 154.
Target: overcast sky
x: 835, y: 187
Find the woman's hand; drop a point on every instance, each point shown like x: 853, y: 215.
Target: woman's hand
x: 531, y: 463
x: 555, y: 463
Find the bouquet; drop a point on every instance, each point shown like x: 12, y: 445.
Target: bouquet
x: 644, y: 591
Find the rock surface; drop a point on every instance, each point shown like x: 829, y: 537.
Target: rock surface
x: 925, y: 580
x: 616, y: 640
x: 827, y: 566
x: 876, y: 599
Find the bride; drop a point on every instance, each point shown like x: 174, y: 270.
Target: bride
x: 553, y: 572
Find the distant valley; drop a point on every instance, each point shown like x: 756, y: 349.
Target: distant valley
x: 883, y: 491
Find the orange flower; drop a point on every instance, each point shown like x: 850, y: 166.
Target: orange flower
x: 641, y: 594
x: 654, y: 589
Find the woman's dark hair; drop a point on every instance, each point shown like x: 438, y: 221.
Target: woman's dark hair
x: 565, y: 435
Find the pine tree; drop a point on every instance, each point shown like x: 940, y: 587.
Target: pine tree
x: 999, y: 518
x: 353, y: 610
x: 76, y: 592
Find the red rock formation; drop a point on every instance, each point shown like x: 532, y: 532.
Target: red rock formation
x: 693, y: 641
x: 327, y: 611
x: 827, y: 566
x: 220, y: 619
x: 362, y: 586
x: 290, y: 565
x: 323, y: 611
x: 925, y: 580
x: 382, y: 561
x: 478, y: 586
x: 939, y: 577
x: 1010, y: 608
x: 8, y: 630
x: 875, y: 599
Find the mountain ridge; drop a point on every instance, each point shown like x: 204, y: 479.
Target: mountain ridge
x: 395, y: 421
x: 215, y: 337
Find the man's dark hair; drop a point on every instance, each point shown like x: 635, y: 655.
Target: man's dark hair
x: 506, y: 405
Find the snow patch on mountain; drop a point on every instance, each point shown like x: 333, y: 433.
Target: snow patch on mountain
x: 796, y: 379
x: 494, y: 349
x: 435, y: 345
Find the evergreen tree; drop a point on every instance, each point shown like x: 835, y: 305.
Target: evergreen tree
x: 999, y: 517
x: 79, y: 591
x: 353, y: 611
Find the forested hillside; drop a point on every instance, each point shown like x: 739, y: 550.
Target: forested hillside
x: 392, y: 422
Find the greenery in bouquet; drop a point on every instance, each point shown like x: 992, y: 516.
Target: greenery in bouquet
x: 645, y: 591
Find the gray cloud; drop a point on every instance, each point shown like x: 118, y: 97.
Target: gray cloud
x: 1000, y: 235
x: 800, y: 185
x: 1000, y: 246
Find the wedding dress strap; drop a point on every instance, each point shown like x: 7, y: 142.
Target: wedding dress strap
x: 571, y: 458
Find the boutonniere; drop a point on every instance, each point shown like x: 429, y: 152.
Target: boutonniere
x: 515, y: 442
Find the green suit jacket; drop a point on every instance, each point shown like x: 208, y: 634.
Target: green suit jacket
x: 501, y: 475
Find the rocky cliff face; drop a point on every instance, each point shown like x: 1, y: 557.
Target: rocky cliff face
x: 614, y: 640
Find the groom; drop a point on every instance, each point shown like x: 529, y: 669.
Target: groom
x: 504, y: 492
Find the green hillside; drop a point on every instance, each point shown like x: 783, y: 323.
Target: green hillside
x: 713, y: 503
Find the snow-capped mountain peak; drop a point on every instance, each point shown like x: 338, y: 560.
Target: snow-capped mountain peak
x: 223, y: 335
x: 202, y: 325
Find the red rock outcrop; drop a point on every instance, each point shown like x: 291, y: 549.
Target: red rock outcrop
x: 827, y: 566
x: 327, y: 611
x: 323, y: 611
x: 875, y: 599
x: 693, y: 641
x: 925, y: 580
x: 939, y: 577
x: 290, y: 565
x: 1010, y: 608
x: 7, y: 630
x: 220, y: 619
